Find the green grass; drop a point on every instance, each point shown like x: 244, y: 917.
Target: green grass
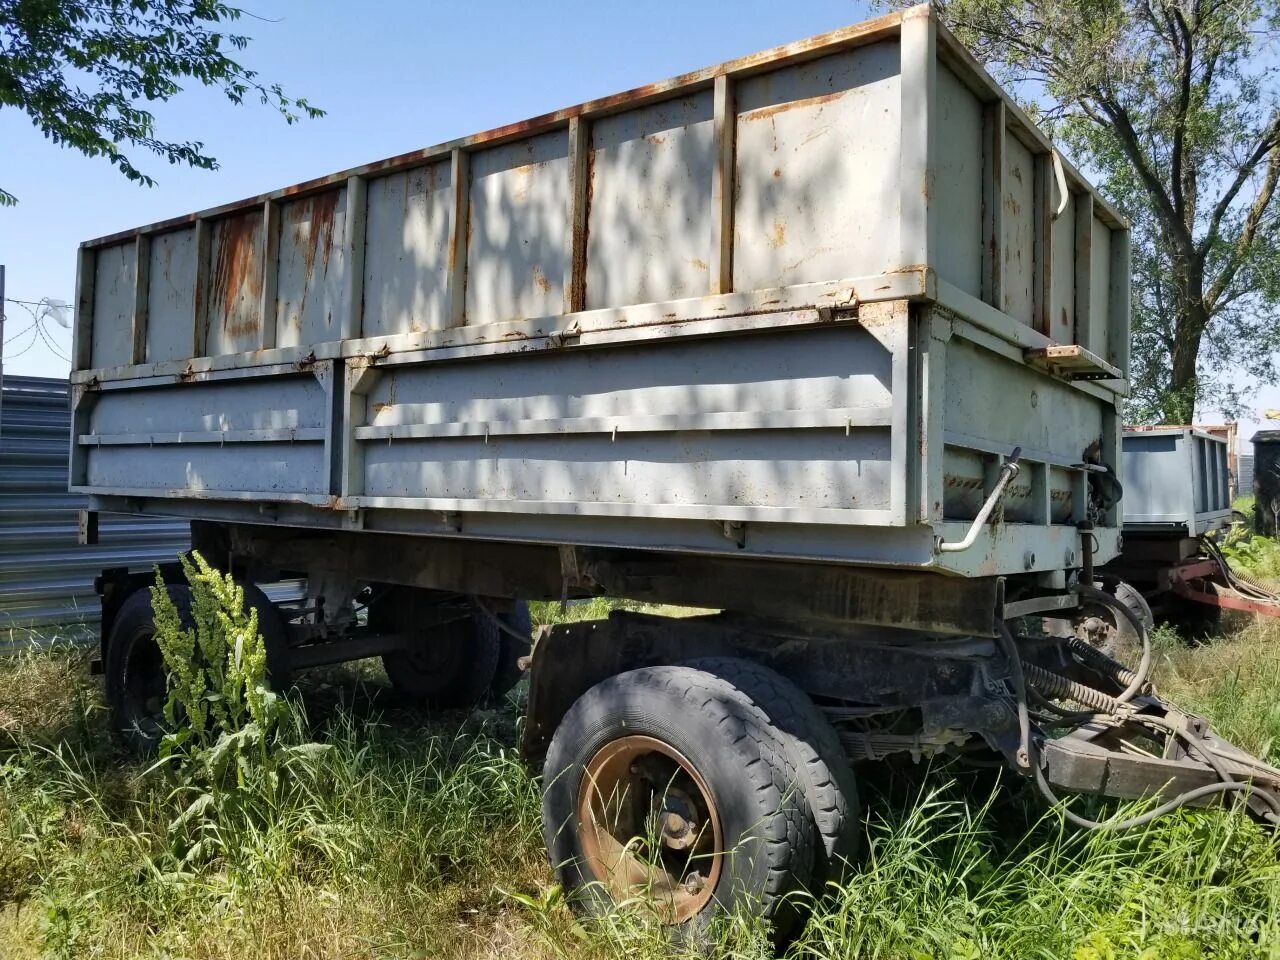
x: 411, y: 836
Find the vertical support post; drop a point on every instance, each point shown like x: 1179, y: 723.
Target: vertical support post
x: 575, y: 271
x: 83, y: 400
x: 354, y: 256
x: 889, y: 322
x: 270, y: 272
x: 1084, y: 274
x: 1042, y: 277
x: 1118, y: 303
x: 459, y: 215
x: 82, y: 336
x: 141, y: 297
x: 932, y: 334
x: 919, y: 51
x: 327, y: 374
x: 994, y: 125
x: 1041, y: 508
x: 725, y: 123
x: 358, y: 380
x: 200, y: 315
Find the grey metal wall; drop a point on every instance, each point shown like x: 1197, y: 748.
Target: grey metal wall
x: 46, y: 578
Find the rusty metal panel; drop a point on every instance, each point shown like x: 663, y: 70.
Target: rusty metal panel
x: 807, y: 158
x: 519, y: 224
x: 171, y: 296
x: 312, y: 271
x: 957, y: 197
x: 1019, y: 216
x: 1062, y: 299
x: 232, y: 302
x: 644, y: 321
x: 114, y: 295
x: 406, y: 260
x: 647, y: 235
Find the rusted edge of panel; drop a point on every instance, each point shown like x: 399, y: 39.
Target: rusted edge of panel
x: 811, y: 48
x: 916, y: 283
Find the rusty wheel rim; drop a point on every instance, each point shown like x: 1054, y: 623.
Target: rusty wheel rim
x: 650, y: 827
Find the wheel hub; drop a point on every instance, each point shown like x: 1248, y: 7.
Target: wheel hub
x: 650, y: 827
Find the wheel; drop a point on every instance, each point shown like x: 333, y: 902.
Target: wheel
x: 1108, y: 630
x: 134, y: 670
x: 510, y: 650
x: 448, y: 664
x: 667, y: 781
x: 813, y: 749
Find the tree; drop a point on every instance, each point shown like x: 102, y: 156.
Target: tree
x: 1174, y: 104
x: 83, y: 71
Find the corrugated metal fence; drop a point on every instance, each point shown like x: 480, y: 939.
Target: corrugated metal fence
x: 1244, y: 481
x: 46, y: 578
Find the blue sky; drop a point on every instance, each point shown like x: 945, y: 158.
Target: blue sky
x: 393, y: 75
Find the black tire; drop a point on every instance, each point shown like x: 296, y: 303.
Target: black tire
x: 134, y: 671
x: 814, y: 750
x: 510, y: 650
x: 766, y: 829
x: 275, y: 636
x: 1112, y: 633
x: 449, y: 665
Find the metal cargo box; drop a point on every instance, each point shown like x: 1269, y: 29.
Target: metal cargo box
x: 1175, y: 481
x: 798, y: 305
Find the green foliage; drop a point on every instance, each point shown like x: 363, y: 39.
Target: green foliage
x: 1174, y: 103
x: 1254, y: 554
x: 83, y: 72
x: 217, y: 667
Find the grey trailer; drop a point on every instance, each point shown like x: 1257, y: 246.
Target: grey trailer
x: 829, y: 339
x: 1175, y: 482
x: 1176, y: 506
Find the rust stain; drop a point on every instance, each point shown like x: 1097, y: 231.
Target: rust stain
x: 311, y: 222
x: 777, y: 171
x: 764, y: 113
x: 845, y: 38
x: 699, y: 263
x: 541, y: 280
x: 235, y: 279
x: 778, y: 236
x: 657, y: 139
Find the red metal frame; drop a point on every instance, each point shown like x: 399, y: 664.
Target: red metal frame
x: 1202, y: 580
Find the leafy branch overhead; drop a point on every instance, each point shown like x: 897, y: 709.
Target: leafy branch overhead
x: 84, y: 71
x: 1175, y: 103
